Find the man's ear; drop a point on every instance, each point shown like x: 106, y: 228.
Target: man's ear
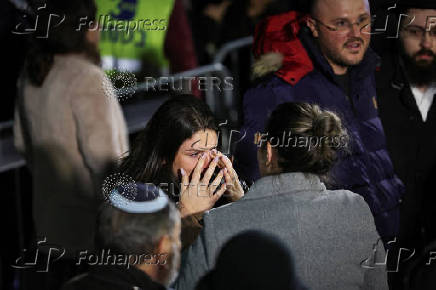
x: 164, y: 245
x: 310, y: 22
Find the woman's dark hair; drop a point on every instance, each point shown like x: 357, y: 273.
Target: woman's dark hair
x: 63, y: 35
x: 306, y: 138
x: 151, y: 157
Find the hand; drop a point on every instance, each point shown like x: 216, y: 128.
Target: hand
x: 198, y: 195
x: 234, y: 188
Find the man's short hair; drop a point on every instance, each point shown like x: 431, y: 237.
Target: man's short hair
x: 134, y: 233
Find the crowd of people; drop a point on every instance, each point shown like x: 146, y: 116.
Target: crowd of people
x: 329, y: 188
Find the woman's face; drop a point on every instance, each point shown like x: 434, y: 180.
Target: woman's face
x: 203, y: 141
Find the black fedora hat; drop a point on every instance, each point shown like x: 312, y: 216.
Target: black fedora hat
x: 418, y: 4
x: 401, y: 6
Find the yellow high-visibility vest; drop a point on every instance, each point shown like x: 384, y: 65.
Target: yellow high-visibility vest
x: 132, y: 30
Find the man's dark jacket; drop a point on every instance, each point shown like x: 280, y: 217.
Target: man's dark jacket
x: 411, y: 143
x: 306, y: 76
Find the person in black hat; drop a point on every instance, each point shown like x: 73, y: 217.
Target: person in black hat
x: 139, y: 239
x: 406, y: 86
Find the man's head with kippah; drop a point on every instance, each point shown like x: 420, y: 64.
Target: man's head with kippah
x: 145, y: 225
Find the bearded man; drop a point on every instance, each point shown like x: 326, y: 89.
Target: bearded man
x: 406, y: 86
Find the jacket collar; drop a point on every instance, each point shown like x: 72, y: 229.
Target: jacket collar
x: 285, y: 183
x: 392, y: 76
x: 366, y: 67
x: 391, y: 73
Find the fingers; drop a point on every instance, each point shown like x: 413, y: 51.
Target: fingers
x: 216, y: 182
x: 210, y: 170
x: 227, y: 177
x: 219, y: 193
x: 226, y: 161
x: 216, y: 153
x: 231, y: 172
x: 185, y: 179
x: 197, y: 170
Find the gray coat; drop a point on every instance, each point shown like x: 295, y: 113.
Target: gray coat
x: 330, y: 233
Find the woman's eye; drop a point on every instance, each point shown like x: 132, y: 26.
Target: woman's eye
x: 414, y: 31
x: 194, y: 154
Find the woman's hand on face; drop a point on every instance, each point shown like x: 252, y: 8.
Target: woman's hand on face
x: 198, y: 195
x: 234, y: 188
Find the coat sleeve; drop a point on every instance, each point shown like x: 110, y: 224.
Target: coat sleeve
x: 199, y: 258
x: 191, y: 228
x: 102, y: 134
x: 375, y: 275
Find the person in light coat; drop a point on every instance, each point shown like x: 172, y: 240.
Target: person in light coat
x: 70, y: 128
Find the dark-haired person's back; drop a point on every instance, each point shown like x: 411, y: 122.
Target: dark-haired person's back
x: 76, y: 132
x: 70, y: 128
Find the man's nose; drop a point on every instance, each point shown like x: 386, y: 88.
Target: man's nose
x: 355, y: 30
x: 427, y: 41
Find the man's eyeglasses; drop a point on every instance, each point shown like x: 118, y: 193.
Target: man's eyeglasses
x: 418, y: 32
x: 344, y: 26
